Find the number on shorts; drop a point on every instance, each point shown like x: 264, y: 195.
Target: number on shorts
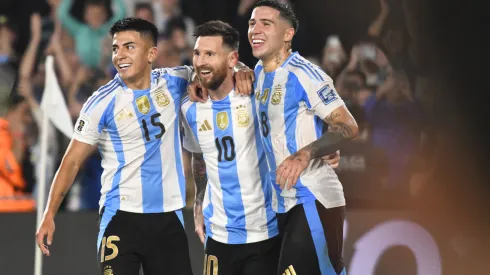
x: 208, y: 261
x: 108, y: 242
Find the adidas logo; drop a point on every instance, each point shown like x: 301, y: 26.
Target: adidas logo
x: 289, y: 271
x: 205, y: 126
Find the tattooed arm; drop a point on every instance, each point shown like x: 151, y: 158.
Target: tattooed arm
x: 199, y: 173
x: 342, y: 128
x: 200, y: 179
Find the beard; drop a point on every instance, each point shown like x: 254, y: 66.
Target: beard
x: 216, y: 80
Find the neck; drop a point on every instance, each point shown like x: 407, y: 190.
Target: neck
x: 275, y: 60
x: 223, y: 90
x: 141, y: 82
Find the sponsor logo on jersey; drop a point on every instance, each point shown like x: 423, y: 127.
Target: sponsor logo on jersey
x: 222, y: 120
x: 242, y: 116
x: 124, y: 114
x: 143, y: 104
x: 289, y: 271
x: 205, y: 126
x: 327, y: 94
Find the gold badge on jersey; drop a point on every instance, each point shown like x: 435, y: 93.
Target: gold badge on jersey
x: 108, y: 270
x: 143, y: 104
x: 222, y: 120
x: 161, y: 98
x: 265, y: 95
x: 242, y: 116
x: 277, y: 95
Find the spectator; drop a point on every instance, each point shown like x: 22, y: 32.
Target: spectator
x: 12, y: 151
x: 168, y: 55
x: 7, y: 65
x: 144, y: 11
x: 396, y: 122
x: 166, y: 10
x: 334, y: 56
x: 88, y: 35
x: 176, y: 34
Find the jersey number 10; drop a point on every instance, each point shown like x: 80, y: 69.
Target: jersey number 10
x: 226, y: 148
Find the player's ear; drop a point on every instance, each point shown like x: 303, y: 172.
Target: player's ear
x: 232, y: 59
x: 152, y: 54
x: 289, y: 34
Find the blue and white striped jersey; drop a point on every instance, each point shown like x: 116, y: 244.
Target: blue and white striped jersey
x: 138, y: 136
x: 291, y: 103
x: 237, y: 205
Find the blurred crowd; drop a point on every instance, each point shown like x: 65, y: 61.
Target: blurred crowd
x: 376, y: 76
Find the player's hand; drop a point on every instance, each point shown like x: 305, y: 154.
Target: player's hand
x: 244, y: 79
x: 287, y: 174
x: 332, y: 159
x: 45, y: 230
x: 196, y: 92
x: 199, y: 222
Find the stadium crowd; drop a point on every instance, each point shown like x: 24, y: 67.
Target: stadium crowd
x: 376, y: 75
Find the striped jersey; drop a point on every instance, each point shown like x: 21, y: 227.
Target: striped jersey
x: 291, y: 103
x: 237, y: 204
x: 138, y: 136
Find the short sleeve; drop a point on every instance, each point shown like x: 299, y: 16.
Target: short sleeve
x: 184, y: 72
x: 88, y: 125
x: 189, y: 141
x: 322, y: 97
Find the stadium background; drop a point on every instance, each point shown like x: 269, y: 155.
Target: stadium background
x: 415, y: 205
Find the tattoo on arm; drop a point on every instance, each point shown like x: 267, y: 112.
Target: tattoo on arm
x: 338, y: 134
x: 199, y: 173
x: 62, y: 194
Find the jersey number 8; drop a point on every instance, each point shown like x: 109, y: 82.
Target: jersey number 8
x: 226, y: 148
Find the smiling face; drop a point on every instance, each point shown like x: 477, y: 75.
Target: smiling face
x: 268, y: 32
x: 132, y: 54
x: 213, y: 61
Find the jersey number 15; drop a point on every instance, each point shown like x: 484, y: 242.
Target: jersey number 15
x: 155, y: 123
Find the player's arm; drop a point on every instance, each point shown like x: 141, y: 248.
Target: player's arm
x: 342, y: 127
x: 76, y: 154
x: 323, y: 100
x: 200, y: 178
x: 69, y: 22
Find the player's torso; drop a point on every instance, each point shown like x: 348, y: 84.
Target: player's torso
x: 287, y: 125
x: 237, y: 204
x: 141, y: 153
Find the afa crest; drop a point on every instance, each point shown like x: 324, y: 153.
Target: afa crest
x: 242, y: 116
x: 222, y: 120
x: 277, y: 95
x: 143, y: 104
x: 161, y: 98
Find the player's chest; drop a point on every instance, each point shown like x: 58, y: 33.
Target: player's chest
x: 275, y: 99
x: 225, y: 126
x: 146, y: 115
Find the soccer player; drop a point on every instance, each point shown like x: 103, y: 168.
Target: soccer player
x: 134, y: 120
x: 223, y: 135
x: 293, y: 96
